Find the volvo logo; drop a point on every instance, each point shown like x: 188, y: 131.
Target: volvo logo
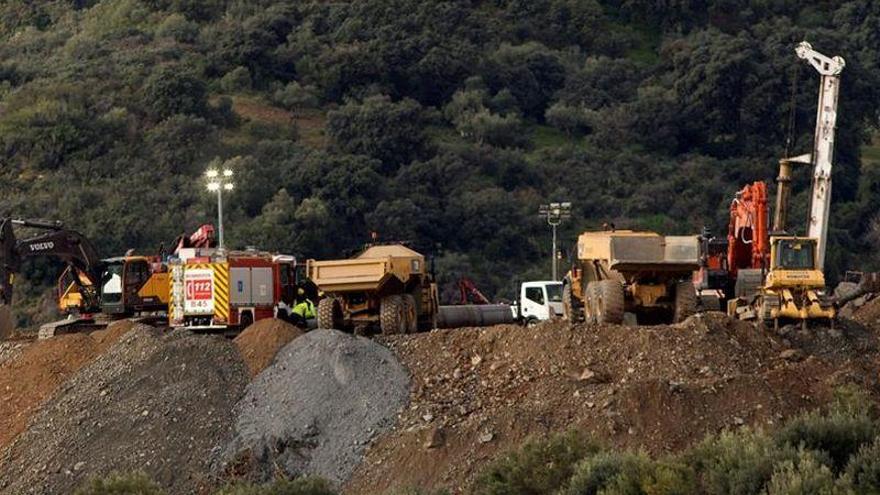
x: 42, y: 246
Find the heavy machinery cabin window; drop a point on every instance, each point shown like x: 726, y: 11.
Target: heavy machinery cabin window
x: 535, y: 294
x: 796, y: 255
x: 554, y: 292
x: 112, y: 289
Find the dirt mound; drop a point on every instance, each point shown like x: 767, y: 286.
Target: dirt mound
x: 157, y: 403
x: 868, y: 312
x: 260, y: 342
x: 479, y: 392
x: 314, y: 410
x: 32, y: 372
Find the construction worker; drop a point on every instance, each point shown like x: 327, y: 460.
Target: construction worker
x: 304, y: 309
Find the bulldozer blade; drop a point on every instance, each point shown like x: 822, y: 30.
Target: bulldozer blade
x: 6, y: 323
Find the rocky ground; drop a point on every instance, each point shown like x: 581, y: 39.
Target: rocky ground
x: 478, y: 392
x: 426, y: 410
x: 154, y: 402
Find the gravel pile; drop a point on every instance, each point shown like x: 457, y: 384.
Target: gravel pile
x: 152, y: 402
x: 30, y: 373
x: 316, y: 408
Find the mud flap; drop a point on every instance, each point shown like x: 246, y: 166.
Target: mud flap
x: 6, y: 323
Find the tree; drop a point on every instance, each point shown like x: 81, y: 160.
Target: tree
x: 392, y: 132
x: 172, y: 90
x: 296, y: 97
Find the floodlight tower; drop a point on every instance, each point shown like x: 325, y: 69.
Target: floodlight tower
x: 219, y: 181
x: 555, y: 213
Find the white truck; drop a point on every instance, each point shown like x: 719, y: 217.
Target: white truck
x: 538, y: 301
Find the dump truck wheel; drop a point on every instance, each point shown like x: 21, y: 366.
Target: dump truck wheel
x: 329, y: 313
x: 6, y: 323
x: 392, y: 317
x: 567, y: 307
x: 685, y: 301
x: 590, y: 303
x: 409, y: 311
x: 609, y: 302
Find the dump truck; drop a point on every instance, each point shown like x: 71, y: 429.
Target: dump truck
x: 386, y: 287
x: 640, y: 273
x: 220, y: 291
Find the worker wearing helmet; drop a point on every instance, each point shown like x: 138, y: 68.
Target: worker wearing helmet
x: 304, y: 309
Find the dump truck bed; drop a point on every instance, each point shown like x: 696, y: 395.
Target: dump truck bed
x: 628, y: 251
x: 349, y: 275
x: 368, y: 271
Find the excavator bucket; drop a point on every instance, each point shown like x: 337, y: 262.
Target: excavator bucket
x: 6, y: 323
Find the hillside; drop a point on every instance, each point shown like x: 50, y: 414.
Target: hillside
x: 437, y: 122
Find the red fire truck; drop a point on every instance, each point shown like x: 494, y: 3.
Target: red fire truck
x: 214, y: 290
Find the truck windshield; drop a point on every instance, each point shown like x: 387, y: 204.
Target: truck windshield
x: 795, y: 255
x: 554, y: 292
x: 111, y: 291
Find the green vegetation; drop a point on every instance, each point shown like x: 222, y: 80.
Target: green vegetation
x: 832, y: 451
x: 444, y: 123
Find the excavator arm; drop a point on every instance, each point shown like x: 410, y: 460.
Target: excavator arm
x: 66, y: 245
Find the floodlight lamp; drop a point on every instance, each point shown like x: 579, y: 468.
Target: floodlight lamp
x: 228, y: 186
x: 211, y: 173
x: 227, y: 173
x: 213, y: 186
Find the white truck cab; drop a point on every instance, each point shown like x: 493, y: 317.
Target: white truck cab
x: 538, y: 301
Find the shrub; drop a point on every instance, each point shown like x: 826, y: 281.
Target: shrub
x: 176, y: 27
x: 863, y: 468
x: 238, y: 79
x: 840, y: 432
x: 627, y: 473
x: 121, y: 484
x: 736, y: 462
x: 805, y: 474
x: 299, y: 486
x: 540, y: 467
x: 171, y: 90
x: 296, y: 97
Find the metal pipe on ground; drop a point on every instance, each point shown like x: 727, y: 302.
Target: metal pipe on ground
x: 473, y: 315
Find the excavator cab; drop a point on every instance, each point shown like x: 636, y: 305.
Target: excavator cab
x: 133, y: 284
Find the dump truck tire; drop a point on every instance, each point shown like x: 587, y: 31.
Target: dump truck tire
x: 392, y: 317
x: 685, y: 301
x: 568, y: 308
x: 329, y: 314
x: 6, y: 322
x: 590, y: 298
x: 409, y: 311
x: 610, y: 301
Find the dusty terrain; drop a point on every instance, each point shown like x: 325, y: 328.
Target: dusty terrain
x: 180, y: 406
x: 478, y: 392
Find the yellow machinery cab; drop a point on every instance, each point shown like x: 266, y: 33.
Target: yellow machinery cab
x: 794, y: 287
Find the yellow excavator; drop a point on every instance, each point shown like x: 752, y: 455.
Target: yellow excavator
x: 91, y: 291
